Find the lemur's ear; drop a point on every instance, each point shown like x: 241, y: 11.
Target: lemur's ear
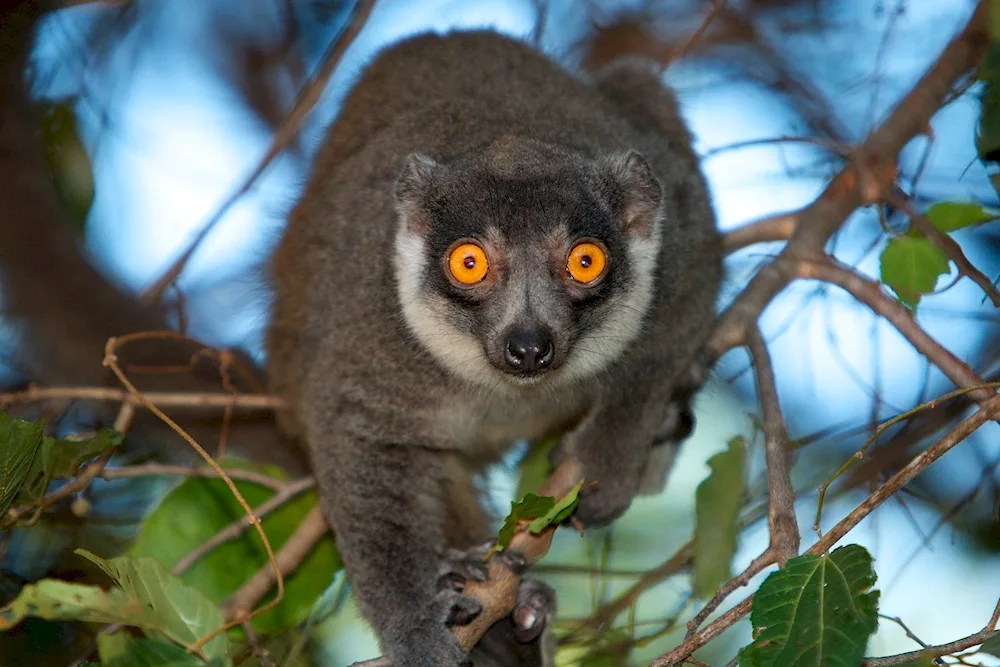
x: 633, y: 191
x: 411, y: 189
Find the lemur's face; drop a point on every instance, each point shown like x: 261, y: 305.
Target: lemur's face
x: 525, y: 263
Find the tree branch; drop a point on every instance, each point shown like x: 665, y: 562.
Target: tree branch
x: 959, y: 433
x: 947, y: 245
x: 498, y: 593
x: 870, y: 170
x: 778, y: 227
x: 172, y: 399
x: 984, y: 635
x: 291, y: 554
x: 283, y: 137
x: 871, y: 294
x: 782, y: 525
x: 239, y: 526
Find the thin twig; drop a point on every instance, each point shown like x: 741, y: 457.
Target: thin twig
x: 685, y: 48
x: 283, y: 137
x: 871, y: 294
x: 829, y: 144
x: 238, y: 527
x: 307, y: 534
x: 111, y: 361
x: 166, y: 469
x: 83, y: 478
x: 607, y: 613
x: 869, y: 171
x: 759, y: 564
x: 947, y: 245
x: 958, y: 434
x: 879, y: 430
x: 162, y: 399
x: 933, y: 651
x: 909, y: 633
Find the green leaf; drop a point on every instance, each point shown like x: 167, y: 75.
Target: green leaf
x: 717, y: 509
x: 61, y: 459
x: 114, y: 645
x: 988, y: 132
x: 817, y: 610
x: 56, y: 600
x: 530, y: 507
x: 911, y: 267
x: 951, y: 216
x: 184, y: 614
x: 197, y: 509
x: 535, y: 467
x: 19, y: 443
x: 124, y: 651
x: 559, y: 512
x: 994, y: 12
x: 68, y: 454
x: 992, y: 646
x: 67, y: 160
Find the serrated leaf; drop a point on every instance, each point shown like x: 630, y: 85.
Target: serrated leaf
x: 911, y: 267
x: 559, y: 512
x: 530, y: 507
x: 992, y: 646
x: 817, y: 610
x: 950, y: 216
x: 717, y: 508
x: 19, y: 443
x: 208, y: 506
x: 184, y: 613
x: 56, y: 600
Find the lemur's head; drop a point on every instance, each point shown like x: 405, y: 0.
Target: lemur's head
x: 526, y: 261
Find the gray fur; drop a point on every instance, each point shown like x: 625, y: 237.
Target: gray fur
x: 396, y: 386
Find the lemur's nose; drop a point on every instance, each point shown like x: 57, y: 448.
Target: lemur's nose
x: 529, y: 350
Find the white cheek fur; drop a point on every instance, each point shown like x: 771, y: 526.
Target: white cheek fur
x: 600, y: 346
x: 462, y: 354
x: 427, y: 315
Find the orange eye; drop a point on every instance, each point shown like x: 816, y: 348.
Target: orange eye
x: 468, y: 263
x: 586, y: 262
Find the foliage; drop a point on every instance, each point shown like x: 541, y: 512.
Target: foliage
x: 30, y: 460
x: 536, y: 513
x: 121, y: 650
x: 145, y: 596
x: 208, y: 506
x: 817, y: 610
x: 19, y: 443
x: 717, y: 508
x: 991, y: 646
x: 911, y: 263
x: 67, y: 160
